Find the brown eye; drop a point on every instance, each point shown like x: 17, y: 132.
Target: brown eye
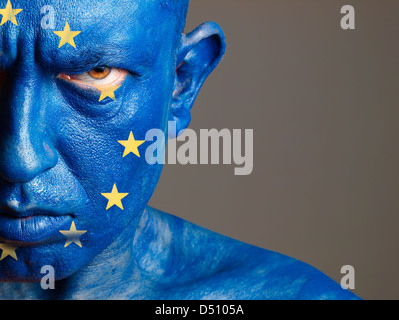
x: 101, y: 76
x: 100, y: 73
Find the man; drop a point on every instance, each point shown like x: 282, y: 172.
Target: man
x: 76, y: 103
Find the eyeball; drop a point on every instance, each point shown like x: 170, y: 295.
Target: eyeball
x: 100, y: 76
x: 100, y: 73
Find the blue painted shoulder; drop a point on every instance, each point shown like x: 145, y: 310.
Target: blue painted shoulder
x: 202, y: 264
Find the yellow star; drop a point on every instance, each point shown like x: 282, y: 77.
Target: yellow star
x: 9, y: 14
x: 108, y: 92
x: 8, y: 250
x: 73, y: 235
x: 67, y: 36
x: 114, y: 198
x: 131, y: 145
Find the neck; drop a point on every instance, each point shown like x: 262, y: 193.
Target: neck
x: 113, y: 274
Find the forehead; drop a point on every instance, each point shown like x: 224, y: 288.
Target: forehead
x: 92, y: 11
x: 132, y: 28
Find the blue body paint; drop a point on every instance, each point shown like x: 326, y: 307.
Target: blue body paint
x: 59, y: 153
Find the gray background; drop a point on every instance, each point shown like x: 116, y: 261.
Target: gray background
x: 323, y: 104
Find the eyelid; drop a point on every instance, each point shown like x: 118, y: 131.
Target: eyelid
x: 110, y: 80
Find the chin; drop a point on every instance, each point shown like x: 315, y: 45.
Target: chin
x: 31, y: 260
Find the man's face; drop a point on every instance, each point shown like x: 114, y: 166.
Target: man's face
x: 59, y: 149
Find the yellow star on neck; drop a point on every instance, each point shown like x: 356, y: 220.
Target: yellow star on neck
x: 131, y: 145
x: 9, y: 14
x: 108, y: 91
x: 73, y: 235
x: 67, y: 36
x: 114, y: 198
x: 8, y: 250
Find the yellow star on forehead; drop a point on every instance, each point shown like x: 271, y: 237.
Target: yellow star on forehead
x: 73, y: 235
x: 67, y: 36
x: 108, y: 91
x: 9, y: 14
x: 114, y: 198
x: 131, y: 145
x: 8, y: 250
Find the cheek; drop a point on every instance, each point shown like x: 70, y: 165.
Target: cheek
x: 91, y: 150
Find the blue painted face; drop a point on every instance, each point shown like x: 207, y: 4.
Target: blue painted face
x: 59, y: 143
x: 60, y: 124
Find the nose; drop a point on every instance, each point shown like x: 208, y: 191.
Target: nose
x: 26, y: 149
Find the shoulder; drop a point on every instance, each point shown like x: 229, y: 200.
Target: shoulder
x: 207, y: 265
x: 272, y: 275
x: 259, y: 274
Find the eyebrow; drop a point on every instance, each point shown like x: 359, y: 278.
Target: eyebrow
x: 86, y: 58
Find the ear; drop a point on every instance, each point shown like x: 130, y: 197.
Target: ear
x: 199, y: 53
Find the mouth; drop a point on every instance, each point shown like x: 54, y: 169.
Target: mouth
x: 32, y: 227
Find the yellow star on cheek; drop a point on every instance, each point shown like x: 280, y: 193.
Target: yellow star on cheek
x: 108, y: 91
x: 73, y: 235
x: 8, y: 250
x: 131, y: 145
x: 9, y: 14
x: 67, y: 36
x: 114, y: 198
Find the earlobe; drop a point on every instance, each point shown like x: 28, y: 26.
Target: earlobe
x: 199, y: 54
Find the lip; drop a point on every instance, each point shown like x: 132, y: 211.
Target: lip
x: 37, y: 228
